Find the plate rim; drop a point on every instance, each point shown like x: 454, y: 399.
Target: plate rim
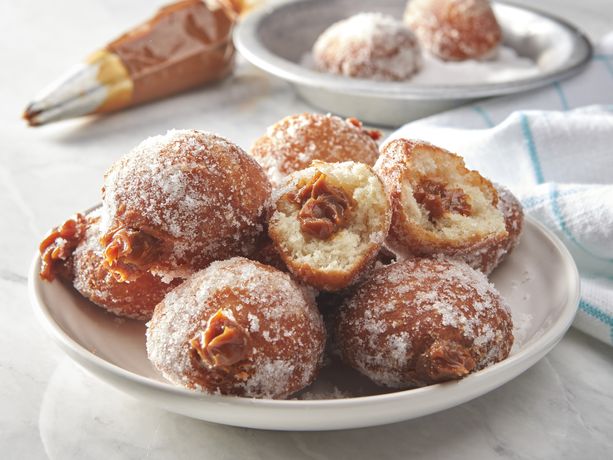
x: 545, y: 342
x: 246, y: 42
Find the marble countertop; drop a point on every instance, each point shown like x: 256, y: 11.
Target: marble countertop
x: 49, y: 408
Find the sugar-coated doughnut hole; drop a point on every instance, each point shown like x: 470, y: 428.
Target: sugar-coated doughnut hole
x: 368, y: 45
x: 296, y: 141
x: 239, y: 328
x: 179, y: 201
x: 423, y: 321
x: 454, y: 30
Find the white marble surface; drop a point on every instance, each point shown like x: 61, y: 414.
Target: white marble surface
x: 49, y: 408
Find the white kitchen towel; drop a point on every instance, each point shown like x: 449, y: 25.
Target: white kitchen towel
x: 553, y: 147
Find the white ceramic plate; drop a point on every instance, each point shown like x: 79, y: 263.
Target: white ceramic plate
x: 539, y: 279
x: 276, y: 37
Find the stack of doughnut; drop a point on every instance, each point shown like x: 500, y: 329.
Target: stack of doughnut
x: 380, y: 47
x: 232, y: 257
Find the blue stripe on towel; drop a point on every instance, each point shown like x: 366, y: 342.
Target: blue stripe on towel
x: 557, y: 212
x: 531, y: 146
x: 486, y: 117
x: 597, y: 313
x: 558, y: 87
x: 606, y: 60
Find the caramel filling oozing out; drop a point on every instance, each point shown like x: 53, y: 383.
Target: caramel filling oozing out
x: 374, y: 134
x: 439, y: 200
x: 128, y: 252
x: 222, y: 343
x: 323, y: 207
x: 449, y: 361
x: 60, y: 244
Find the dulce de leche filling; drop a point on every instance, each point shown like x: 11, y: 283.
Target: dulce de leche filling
x: 323, y: 207
x: 448, y: 361
x: 128, y: 252
x: 439, y: 200
x: 59, y: 245
x: 222, y: 343
x: 374, y: 134
x: 186, y: 44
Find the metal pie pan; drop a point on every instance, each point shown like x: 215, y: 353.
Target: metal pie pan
x: 276, y: 38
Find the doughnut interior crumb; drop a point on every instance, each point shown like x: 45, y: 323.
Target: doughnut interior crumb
x: 482, y: 218
x: 365, y: 225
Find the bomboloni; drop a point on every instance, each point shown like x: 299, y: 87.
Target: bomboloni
x: 329, y: 223
x: 423, y: 321
x: 296, y: 141
x: 179, y: 201
x: 368, y: 45
x: 238, y: 328
x: 455, y: 30
x: 438, y: 205
x: 73, y: 253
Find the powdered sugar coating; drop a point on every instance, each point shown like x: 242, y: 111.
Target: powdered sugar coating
x: 135, y: 299
x: 454, y: 30
x: 295, y: 141
x: 286, y: 332
x: 388, y: 328
x: 199, y: 194
x: 513, y: 213
x: 368, y: 45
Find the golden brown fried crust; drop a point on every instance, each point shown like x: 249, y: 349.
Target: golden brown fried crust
x: 330, y: 281
x: 294, y: 142
x: 454, y: 30
x: 394, y: 167
x: 423, y: 321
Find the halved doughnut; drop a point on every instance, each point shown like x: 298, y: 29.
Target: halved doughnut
x: 438, y: 205
x: 329, y: 222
